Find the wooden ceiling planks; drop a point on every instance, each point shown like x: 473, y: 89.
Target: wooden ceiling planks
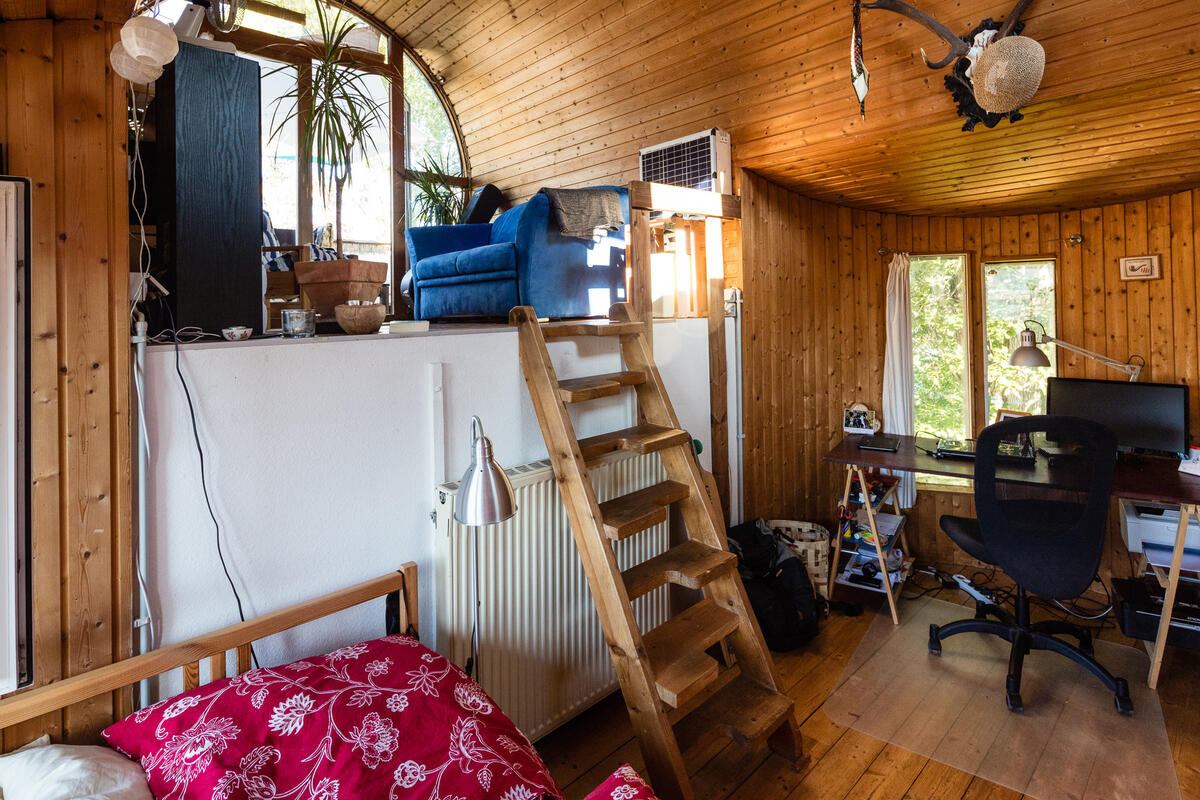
x: 565, y: 92
x: 109, y: 10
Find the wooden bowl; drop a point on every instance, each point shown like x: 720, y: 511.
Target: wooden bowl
x: 358, y: 320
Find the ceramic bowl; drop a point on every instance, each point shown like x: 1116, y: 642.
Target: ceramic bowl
x: 236, y: 333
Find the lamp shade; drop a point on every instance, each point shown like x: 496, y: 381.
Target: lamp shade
x: 1028, y: 354
x: 130, y: 68
x: 485, y: 496
x: 149, y: 40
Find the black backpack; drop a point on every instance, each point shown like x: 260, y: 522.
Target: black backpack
x: 780, y: 591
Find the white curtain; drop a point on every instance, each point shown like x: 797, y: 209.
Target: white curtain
x: 898, y: 415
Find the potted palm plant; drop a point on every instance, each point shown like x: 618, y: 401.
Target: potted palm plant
x: 438, y: 201
x: 339, y: 118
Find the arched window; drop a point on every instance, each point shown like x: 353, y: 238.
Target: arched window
x: 428, y: 136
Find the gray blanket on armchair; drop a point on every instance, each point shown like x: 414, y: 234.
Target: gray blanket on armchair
x: 585, y: 213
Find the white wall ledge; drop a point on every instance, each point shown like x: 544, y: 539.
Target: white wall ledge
x: 435, y: 330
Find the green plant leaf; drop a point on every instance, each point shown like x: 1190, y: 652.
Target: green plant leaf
x: 438, y: 201
x: 342, y: 114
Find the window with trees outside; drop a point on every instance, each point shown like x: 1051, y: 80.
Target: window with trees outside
x: 1015, y: 291
x: 961, y: 381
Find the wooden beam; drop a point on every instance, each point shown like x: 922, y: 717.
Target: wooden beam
x: 277, y: 12
x: 718, y: 378
x: 640, y: 245
x: 124, y: 581
x: 681, y: 200
x: 399, y: 182
x: 304, y: 176
x: 27, y: 50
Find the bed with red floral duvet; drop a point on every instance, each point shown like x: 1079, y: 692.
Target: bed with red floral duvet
x: 386, y: 719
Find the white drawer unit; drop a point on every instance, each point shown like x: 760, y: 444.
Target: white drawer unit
x: 1153, y: 523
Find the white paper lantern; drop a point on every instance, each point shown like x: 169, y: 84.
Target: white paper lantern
x: 149, y: 40
x: 130, y: 68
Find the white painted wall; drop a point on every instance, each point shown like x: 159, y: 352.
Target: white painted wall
x: 320, y: 459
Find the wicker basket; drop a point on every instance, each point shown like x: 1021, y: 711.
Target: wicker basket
x: 810, y: 542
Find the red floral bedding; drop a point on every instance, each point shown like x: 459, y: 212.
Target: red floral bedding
x: 624, y: 784
x: 388, y: 718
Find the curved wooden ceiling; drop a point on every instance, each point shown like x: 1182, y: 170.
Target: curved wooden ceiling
x: 564, y: 92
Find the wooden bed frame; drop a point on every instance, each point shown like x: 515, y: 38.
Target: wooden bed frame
x: 400, y: 587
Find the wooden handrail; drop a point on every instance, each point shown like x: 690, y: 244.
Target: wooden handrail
x: 44, y: 699
x: 645, y: 196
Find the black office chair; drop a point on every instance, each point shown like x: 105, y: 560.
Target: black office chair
x: 1046, y: 533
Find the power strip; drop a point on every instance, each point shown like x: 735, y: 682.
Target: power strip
x: 965, y: 585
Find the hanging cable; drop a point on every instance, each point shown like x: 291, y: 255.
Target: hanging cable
x: 203, y: 480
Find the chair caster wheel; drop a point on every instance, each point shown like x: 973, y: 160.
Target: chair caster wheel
x: 1122, y: 700
x: 935, y: 644
x: 1013, y: 700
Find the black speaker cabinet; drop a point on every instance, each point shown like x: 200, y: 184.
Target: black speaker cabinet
x: 208, y: 203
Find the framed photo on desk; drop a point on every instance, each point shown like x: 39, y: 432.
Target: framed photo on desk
x: 1008, y: 413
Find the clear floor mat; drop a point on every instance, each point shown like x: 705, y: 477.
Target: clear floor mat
x: 1068, y: 744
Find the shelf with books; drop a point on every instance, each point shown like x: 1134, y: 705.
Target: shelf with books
x: 857, y: 536
x: 860, y: 525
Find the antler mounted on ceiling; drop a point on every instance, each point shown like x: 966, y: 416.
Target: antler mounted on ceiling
x: 958, y: 47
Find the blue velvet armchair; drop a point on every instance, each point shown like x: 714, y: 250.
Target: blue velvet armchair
x: 519, y: 259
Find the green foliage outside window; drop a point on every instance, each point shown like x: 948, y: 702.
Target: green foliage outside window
x: 1013, y: 293
x: 941, y: 380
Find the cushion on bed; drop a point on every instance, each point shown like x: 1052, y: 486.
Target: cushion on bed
x: 44, y: 771
x: 624, y: 784
x: 388, y: 718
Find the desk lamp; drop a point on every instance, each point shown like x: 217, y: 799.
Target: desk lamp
x: 1028, y: 354
x: 485, y: 497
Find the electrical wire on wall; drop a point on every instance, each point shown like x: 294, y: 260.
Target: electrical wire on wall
x: 139, y: 199
x: 187, y: 393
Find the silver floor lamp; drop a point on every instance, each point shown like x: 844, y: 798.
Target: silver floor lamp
x: 485, y: 497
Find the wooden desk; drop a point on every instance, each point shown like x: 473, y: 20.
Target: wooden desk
x: 1137, y: 478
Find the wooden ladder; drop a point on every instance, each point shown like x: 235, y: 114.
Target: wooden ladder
x: 678, y: 696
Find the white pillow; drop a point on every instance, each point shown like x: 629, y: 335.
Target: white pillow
x: 44, y: 771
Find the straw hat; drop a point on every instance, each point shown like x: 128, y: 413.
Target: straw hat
x: 1007, y: 74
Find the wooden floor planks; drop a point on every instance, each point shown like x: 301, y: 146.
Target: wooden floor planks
x: 842, y: 764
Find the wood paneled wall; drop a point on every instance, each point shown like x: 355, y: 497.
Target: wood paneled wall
x: 814, y: 327
x: 64, y: 124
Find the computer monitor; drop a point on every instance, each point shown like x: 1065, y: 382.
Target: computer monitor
x: 1145, y: 416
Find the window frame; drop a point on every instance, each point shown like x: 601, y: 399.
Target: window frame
x: 288, y: 51
x: 975, y: 264
x: 973, y: 356
x: 984, y: 264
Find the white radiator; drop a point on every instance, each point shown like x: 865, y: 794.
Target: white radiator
x: 542, y: 654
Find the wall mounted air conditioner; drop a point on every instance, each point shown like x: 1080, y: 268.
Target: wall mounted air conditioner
x: 699, y: 161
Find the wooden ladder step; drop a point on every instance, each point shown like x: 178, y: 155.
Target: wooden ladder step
x: 576, y: 390
x: 588, y: 327
x: 676, y: 650
x: 692, y: 564
x: 742, y: 710
x: 626, y: 515
x: 642, y: 439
